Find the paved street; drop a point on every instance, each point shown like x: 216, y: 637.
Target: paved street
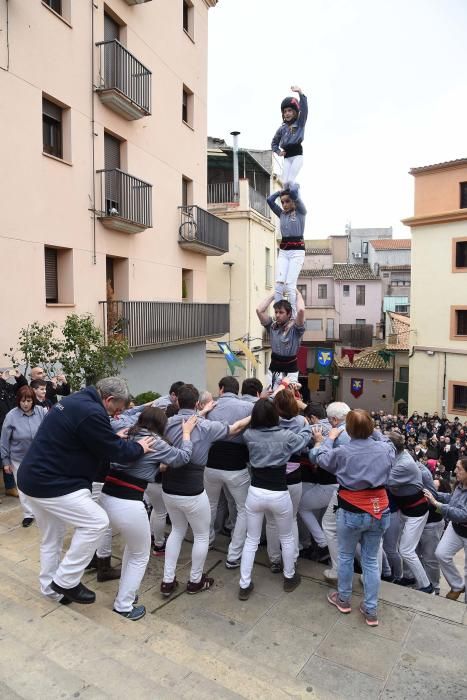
x: 273, y: 645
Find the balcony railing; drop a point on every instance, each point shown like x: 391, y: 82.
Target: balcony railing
x: 152, y: 324
x: 124, y: 82
x: 258, y: 202
x: 202, y: 232
x: 126, y: 201
x: 223, y: 193
x: 356, y: 335
x: 320, y: 303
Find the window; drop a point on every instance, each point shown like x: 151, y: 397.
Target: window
x: 346, y: 290
x: 401, y: 309
x: 322, y: 291
x: 360, y: 321
x: 314, y: 324
x: 187, y: 106
x: 187, y: 191
x: 188, y: 17
x: 187, y: 285
x: 52, y: 141
x: 360, y: 295
x: 58, y: 271
x: 403, y: 374
x: 463, y: 188
x: 458, y: 323
x: 457, y: 397
x: 365, y: 247
x: 459, y: 255
x: 385, y: 274
x: 55, y: 5
x: 302, y: 289
x: 268, y: 268
x: 322, y: 384
x: 330, y: 328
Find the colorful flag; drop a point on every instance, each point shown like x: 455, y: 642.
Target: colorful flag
x: 356, y: 387
x: 247, y: 352
x: 323, y: 360
x: 232, y: 360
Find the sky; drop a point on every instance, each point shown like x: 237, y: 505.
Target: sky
x: 386, y: 82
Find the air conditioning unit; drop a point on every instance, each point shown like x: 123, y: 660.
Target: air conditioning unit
x: 358, y: 255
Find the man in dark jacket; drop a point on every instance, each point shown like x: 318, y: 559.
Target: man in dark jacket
x: 57, y: 474
x: 57, y: 386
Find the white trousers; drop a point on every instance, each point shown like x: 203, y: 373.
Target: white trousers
x: 159, y: 513
x: 329, y: 525
x: 272, y: 533
x: 279, y: 505
x: 184, y: 510
x: 23, y: 499
x: 450, y: 544
x: 131, y: 520
x: 430, y: 539
x: 290, y: 169
x: 411, y: 532
x: 288, y: 267
x: 315, y: 498
x: 274, y: 379
x: 236, y: 483
x: 105, y: 548
x: 53, y: 515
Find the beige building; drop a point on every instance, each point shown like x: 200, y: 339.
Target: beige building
x: 103, y: 180
x: 438, y: 357
x: 245, y: 275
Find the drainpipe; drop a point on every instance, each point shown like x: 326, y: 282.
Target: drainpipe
x: 93, y: 139
x: 236, y: 184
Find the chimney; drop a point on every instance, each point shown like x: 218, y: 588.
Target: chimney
x: 236, y: 184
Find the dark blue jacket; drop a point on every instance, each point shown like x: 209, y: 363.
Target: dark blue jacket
x: 73, y: 440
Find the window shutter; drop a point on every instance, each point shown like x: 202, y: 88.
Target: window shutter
x: 51, y: 276
x: 49, y: 109
x: 111, y: 152
x: 111, y: 28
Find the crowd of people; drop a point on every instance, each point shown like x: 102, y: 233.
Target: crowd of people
x: 384, y: 495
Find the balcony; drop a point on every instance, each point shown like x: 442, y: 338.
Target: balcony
x: 125, y: 201
x: 202, y: 232
x: 147, y: 325
x: 222, y: 193
x: 124, y: 83
x: 316, y: 303
x: 356, y: 335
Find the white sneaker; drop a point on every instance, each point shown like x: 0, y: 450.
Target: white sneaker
x: 330, y: 575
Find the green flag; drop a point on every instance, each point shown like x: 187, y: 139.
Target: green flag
x: 232, y: 360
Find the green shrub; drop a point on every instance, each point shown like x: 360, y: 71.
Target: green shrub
x: 145, y: 396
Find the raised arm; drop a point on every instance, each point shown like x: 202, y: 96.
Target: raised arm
x: 239, y: 425
x: 295, y: 196
x: 300, y: 318
x: 271, y: 200
x: 303, y: 116
x: 262, y: 310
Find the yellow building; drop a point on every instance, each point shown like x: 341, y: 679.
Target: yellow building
x: 245, y: 275
x: 438, y: 357
x: 103, y: 121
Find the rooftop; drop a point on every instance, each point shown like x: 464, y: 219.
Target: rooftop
x: 368, y: 358
x: 395, y: 267
x: 392, y: 244
x: 343, y: 271
x: 459, y: 162
x: 399, y: 335
x: 317, y: 251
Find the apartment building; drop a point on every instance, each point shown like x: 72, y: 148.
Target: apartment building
x: 239, y: 181
x: 103, y: 153
x: 438, y: 357
x: 359, y: 241
x: 390, y: 258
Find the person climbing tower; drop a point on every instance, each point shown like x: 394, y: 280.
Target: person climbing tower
x: 287, y: 140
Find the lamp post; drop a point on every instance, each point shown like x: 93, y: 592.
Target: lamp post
x: 229, y: 263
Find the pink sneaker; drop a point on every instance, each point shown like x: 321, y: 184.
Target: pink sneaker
x: 371, y: 619
x: 341, y: 605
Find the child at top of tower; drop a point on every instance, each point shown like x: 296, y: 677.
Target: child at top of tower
x: 287, y: 140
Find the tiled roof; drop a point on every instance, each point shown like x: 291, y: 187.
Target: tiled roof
x: 437, y: 166
x: 395, y: 267
x: 317, y: 251
x: 367, y: 359
x: 391, y: 244
x: 343, y: 271
x: 399, y: 336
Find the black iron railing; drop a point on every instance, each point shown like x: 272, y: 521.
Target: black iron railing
x: 356, y: 335
x: 125, y: 197
x: 145, y: 324
x: 199, y: 226
x: 120, y: 70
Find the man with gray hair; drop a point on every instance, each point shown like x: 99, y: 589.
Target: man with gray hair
x: 336, y: 413
x: 73, y: 442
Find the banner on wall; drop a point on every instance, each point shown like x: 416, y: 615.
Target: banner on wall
x: 323, y: 361
x: 356, y: 387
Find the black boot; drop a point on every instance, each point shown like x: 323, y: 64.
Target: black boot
x: 93, y: 563
x: 105, y: 572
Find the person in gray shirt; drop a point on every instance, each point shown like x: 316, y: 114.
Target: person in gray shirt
x: 183, y: 490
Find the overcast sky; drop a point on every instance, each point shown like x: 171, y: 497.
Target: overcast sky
x: 387, y: 86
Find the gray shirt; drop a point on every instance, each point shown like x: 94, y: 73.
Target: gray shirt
x: 284, y: 342
x: 127, y: 418
x: 269, y: 447
x: 292, y: 223
x: 18, y: 432
x: 405, y: 477
x: 454, y: 506
x: 360, y: 464
x: 147, y: 466
x: 230, y: 408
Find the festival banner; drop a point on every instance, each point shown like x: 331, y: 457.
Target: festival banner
x: 356, y: 387
x: 231, y: 359
x: 247, y: 352
x: 323, y: 360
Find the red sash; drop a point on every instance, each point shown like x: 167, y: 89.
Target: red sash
x: 372, y: 501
